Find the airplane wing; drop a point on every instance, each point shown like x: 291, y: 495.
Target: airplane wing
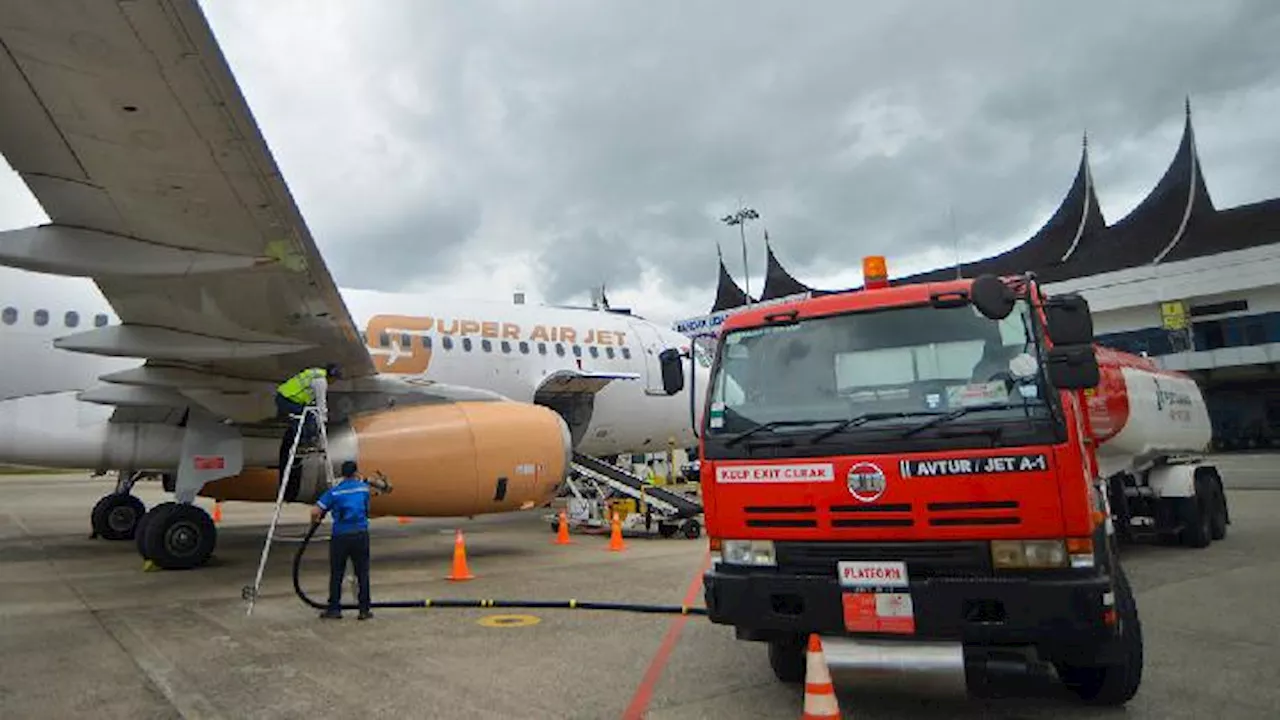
x: 127, y: 125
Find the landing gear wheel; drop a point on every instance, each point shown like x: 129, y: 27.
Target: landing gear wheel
x: 140, y: 534
x: 788, y: 660
x: 116, y: 516
x: 692, y: 529
x: 1196, y: 513
x: 1117, y: 683
x: 179, y: 538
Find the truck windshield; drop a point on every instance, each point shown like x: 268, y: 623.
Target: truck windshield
x: 897, y: 367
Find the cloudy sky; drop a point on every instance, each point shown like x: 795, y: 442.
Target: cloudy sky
x: 483, y: 146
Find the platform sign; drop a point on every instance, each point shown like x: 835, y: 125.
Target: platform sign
x: 1173, y: 315
x: 876, y: 597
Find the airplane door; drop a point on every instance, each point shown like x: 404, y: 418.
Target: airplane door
x: 647, y: 338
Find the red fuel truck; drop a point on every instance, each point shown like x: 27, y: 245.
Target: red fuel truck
x: 935, y: 477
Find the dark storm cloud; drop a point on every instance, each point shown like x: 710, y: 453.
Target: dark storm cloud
x: 600, y: 139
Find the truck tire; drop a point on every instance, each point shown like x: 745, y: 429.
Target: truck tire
x: 788, y: 660
x: 1196, y: 514
x: 1113, y: 684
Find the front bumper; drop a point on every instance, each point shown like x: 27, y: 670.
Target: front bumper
x: 1063, y: 617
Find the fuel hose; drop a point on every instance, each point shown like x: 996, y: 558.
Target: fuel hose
x: 483, y: 603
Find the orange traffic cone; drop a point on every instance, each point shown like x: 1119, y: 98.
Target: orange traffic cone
x: 217, y: 512
x: 819, y: 694
x: 562, y: 537
x: 402, y: 520
x: 460, y: 569
x: 615, y: 537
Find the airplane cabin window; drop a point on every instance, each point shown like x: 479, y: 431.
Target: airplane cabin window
x: 577, y: 351
x: 426, y: 341
x: 524, y: 348
x: 466, y: 344
x: 506, y: 346
x: 405, y: 340
x: 9, y: 316
x: 609, y: 353
x: 42, y: 317
x: 560, y: 349
x: 626, y: 353
x: 595, y: 351
x: 447, y: 342
x: 71, y: 319
x: 542, y: 348
x: 486, y: 345
x: 99, y: 320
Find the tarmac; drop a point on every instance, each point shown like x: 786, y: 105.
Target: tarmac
x: 84, y: 630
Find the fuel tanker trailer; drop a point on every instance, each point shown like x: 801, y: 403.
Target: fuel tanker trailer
x: 1151, y: 428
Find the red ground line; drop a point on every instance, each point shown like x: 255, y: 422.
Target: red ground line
x: 644, y: 691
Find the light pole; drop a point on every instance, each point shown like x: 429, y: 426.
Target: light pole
x: 740, y: 218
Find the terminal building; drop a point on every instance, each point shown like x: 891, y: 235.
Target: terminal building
x: 1193, y: 286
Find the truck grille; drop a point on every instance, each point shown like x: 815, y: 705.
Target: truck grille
x: 924, y: 559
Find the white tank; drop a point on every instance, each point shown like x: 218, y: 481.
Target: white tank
x: 1140, y: 412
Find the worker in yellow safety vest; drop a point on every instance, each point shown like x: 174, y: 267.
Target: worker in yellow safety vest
x: 309, y: 387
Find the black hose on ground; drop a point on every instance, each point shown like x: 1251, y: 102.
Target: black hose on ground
x: 459, y: 603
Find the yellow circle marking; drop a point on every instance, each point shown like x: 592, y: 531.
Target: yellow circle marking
x: 509, y: 620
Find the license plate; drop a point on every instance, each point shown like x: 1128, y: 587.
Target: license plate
x: 876, y: 597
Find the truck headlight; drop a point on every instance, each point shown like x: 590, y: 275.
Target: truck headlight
x: 1022, y: 554
x: 757, y: 553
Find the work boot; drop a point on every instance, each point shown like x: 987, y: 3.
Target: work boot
x: 366, y: 615
x: 331, y: 615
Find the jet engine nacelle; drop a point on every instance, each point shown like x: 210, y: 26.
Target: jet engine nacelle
x: 450, y: 459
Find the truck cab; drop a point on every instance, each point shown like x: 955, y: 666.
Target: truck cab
x: 903, y: 466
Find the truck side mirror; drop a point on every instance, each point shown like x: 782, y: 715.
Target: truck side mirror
x: 992, y: 297
x: 1073, y: 367
x: 672, y: 371
x: 1068, y: 320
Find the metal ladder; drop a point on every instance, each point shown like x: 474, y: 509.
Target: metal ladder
x: 251, y: 592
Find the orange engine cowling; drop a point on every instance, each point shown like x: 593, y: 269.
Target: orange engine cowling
x: 464, y: 458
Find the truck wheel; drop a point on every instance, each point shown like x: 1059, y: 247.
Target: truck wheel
x: 788, y: 660
x: 1117, y: 683
x: 1196, y: 513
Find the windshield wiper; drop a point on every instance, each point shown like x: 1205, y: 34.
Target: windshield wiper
x: 957, y: 413
x: 769, y: 426
x: 855, y: 421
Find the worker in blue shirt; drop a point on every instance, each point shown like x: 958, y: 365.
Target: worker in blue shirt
x: 348, y: 502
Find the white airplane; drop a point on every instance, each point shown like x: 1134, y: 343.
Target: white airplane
x: 178, y: 284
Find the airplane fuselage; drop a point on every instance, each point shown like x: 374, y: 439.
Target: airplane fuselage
x: 506, y: 348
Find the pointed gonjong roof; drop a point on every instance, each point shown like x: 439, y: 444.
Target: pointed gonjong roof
x: 777, y: 281
x: 1076, y: 224
x: 1176, y: 221
x: 728, y: 294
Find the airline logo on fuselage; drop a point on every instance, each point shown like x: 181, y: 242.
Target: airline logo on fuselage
x: 414, y: 359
